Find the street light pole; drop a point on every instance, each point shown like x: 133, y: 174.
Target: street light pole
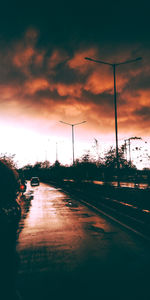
x: 116, y: 123
x: 115, y: 98
x: 72, y: 125
x: 73, y: 142
x: 56, y: 151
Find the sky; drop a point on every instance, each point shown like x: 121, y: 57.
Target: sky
x: 44, y: 78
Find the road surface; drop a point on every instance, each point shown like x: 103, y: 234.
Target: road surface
x: 68, y: 251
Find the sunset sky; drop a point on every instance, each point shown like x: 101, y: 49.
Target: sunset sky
x: 44, y: 77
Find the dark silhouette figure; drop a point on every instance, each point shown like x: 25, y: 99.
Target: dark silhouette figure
x: 9, y: 217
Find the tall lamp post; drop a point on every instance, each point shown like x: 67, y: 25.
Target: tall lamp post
x: 114, y: 65
x: 72, y: 125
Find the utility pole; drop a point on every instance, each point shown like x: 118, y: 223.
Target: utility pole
x: 56, y: 151
x: 72, y: 125
x: 114, y: 65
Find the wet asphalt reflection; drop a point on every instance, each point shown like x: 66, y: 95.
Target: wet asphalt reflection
x: 67, y: 250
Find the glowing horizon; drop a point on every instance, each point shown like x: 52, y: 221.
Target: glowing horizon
x: 31, y: 146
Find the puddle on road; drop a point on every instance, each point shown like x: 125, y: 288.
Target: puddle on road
x: 96, y: 229
x: 100, y: 230
x: 85, y: 215
x: 71, y: 204
x: 49, y: 189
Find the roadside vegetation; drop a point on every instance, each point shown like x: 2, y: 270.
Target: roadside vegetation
x: 88, y: 169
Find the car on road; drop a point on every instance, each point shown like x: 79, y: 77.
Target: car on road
x: 34, y: 181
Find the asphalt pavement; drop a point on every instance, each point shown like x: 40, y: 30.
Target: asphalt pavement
x: 68, y: 251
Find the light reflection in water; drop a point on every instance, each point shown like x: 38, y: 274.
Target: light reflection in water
x: 57, y: 235
x: 47, y: 221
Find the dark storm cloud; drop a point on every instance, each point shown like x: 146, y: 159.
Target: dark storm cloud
x: 9, y: 73
x: 104, y: 99
x: 68, y: 23
x: 47, y: 94
x: 42, y: 50
x: 139, y: 82
x: 65, y: 75
x: 143, y: 113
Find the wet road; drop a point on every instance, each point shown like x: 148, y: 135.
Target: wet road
x: 67, y: 251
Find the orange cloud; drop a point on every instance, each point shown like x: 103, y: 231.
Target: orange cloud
x: 56, y: 58
x: 79, y: 63
x: 23, y: 57
x: 69, y: 90
x: 43, y: 86
x: 25, y: 52
x: 99, y: 81
x: 34, y: 85
x: 39, y: 58
x: 8, y: 92
x: 143, y: 97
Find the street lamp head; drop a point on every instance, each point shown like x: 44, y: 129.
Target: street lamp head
x: 88, y: 58
x: 129, y: 61
x: 72, y: 124
x: 99, y: 61
x: 139, y: 58
x: 115, y: 64
x: 72, y: 134
x: 79, y: 123
x: 65, y: 123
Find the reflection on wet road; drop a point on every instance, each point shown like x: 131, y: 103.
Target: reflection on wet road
x: 64, y: 248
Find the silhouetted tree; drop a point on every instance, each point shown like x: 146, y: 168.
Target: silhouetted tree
x: 125, y: 168
x: 8, y: 159
x: 110, y: 159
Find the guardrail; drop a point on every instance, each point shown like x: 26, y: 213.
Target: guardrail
x: 134, y: 215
